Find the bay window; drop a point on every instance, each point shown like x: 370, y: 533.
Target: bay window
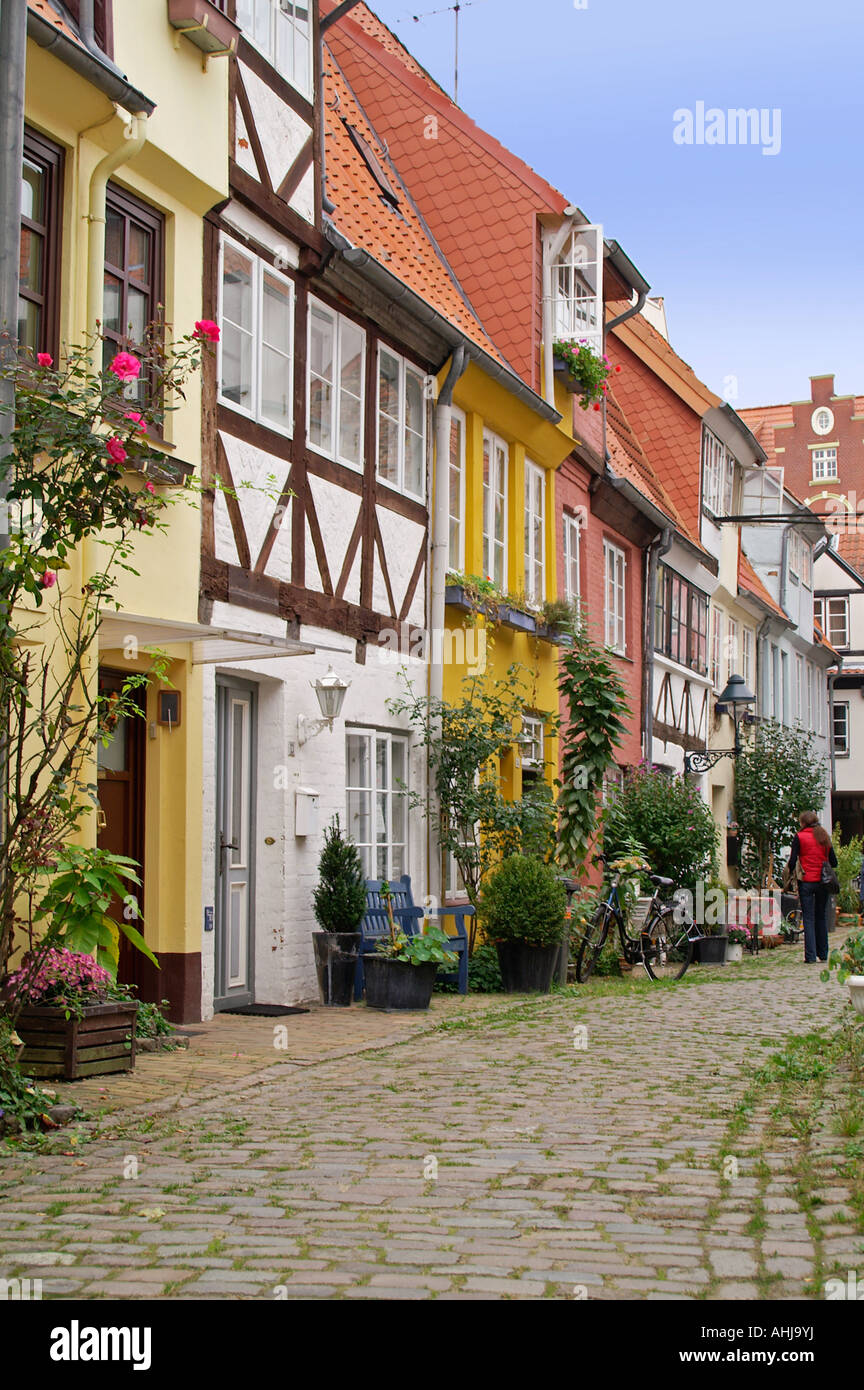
x: 401, y: 424
x: 335, y: 380
x: 377, y: 800
x: 577, y: 276
x: 681, y: 621
x: 256, y: 348
x: 281, y: 29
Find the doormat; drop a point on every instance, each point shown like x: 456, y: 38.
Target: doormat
x: 265, y: 1010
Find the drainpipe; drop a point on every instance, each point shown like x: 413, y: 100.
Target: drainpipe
x: 438, y: 564
x: 832, y: 676
x: 134, y: 138
x: 656, y: 550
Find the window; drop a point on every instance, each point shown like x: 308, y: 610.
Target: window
x: 776, y: 696
x: 716, y: 648
x: 401, y: 424
x: 822, y: 421
x: 377, y: 800
x: 832, y: 616
x: 718, y: 475
x: 841, y: 729
x: 282, y: 31
x: 784, y: 685
x: 799, y: 688
x: 456, y: 558
x: 823, y: 464
x: 495, y: 460
x: 820, y: 695
x: 336, y: 376
x: 799, y: 559
x: 681, y: 621
x: 531, y: 744
x: 256, y: 349
x: 134, y: 236
x: 615, y: 564
x: 39, y: 260
x: 747, y: 655
x: 731, y: 647
x: 577, y: 275
x: 810, y: 691
x: 535, y: 539
x: 572, y: 529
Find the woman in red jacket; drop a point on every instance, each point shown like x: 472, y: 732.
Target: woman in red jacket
x: 812, y: 848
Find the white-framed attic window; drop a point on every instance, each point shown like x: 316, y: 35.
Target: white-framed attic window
x: 576, y: 274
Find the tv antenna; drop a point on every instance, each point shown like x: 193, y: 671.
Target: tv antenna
x: 446, y: 9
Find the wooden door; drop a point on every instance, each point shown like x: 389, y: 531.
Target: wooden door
x: 121, y: 814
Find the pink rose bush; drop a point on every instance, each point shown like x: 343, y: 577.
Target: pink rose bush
x: 125, y: 367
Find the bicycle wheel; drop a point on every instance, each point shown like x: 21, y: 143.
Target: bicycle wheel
x: 592, y: 943
x: 666, y: 946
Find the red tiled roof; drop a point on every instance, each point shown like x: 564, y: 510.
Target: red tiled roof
x: 396, y: 239
x: 850, y: 545
x: 750, y: 583
x: 630, y: 461
x: 46, y: 11
x: 820, y: 640
x: 761, y: 420
x: 480, y: 201
x: 648, y: 336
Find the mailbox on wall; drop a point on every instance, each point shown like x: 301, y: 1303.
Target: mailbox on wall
x: 305, y: 811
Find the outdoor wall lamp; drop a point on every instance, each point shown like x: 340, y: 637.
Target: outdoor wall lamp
x: 330, y: 690
x: 734, y: 699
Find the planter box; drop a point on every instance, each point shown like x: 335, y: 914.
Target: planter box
x: 515, y: 618
x: 204, y: 24
x: 710, y: 950
x: 456, y: 597
x: 567, y: 380
x: 527, y: 969
x: 102, y: 1041
x: 396, y: 984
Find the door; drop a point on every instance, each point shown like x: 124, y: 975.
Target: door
x: 121, y: 814
x: 234, y: 922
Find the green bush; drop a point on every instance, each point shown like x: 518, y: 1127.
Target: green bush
x: 522, y: 900
x: 339, y: 900
x: 667, y: 816
x: 848, y: 869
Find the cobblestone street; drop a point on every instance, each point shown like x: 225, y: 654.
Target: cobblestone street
x: 482, y: 1152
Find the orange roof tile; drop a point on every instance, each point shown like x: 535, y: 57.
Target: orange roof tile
x: 395, y: 237
x: 479, y: 200
x: 677, y: 369
x: 850, y: 544
x: 46, y: 11
x: 750, y: 583
x: 630, y: 461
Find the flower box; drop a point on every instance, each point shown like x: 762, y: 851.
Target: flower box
x: 515, y: 618
x: 456, y: 597
x: 102, y: 1040
x: 570, y: 382
x: 205, y: 25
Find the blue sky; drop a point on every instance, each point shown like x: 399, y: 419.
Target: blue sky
x: 758, y: 256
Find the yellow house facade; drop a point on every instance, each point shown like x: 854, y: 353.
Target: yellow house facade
x: 123, y: 156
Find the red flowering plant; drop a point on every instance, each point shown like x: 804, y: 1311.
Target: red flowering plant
x: 75, y: 469
x: 59, y: 978
x: 590, y: 369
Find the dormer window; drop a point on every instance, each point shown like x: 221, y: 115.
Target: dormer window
x: 282, y: 31
x: 718, y: 475
x: 577, y: 287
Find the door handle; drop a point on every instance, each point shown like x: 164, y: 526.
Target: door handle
x: 223, y: 845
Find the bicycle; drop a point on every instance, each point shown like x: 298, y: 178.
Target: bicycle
x: 661, y: 945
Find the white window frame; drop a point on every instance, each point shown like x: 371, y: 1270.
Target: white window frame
x: 572, y: 556
x: 535, y: 474
x: 716, y: 658
x: 718, y: 475
x: 494, y: 545
x: 827, y: 620
x: 821, y: 460
x: 814, y: 420
x: 406, y: 369
x: 260, y: 268
x: 368, y: 850
x: 338, y: 322
x: 269, y: 45
x: 785, y: 688
x: 810, y: 692
x: 615, y: 589
x: 457, y: 561
x: 731, y: 647
x: 747, y: 654
x: 799, y: 688
x: 576, y: 277
x: 533, y: 727
x: 841, y: 749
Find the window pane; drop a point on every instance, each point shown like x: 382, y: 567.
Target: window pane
x: 112, y: 304
x: 276, y: 388
x: 350, y: 429
x: 32, y: 192
x: 115, y: 230
x: 351, y: 366
x: 237, y: 288
x: 29, y: 324
x: 30, y: 260
x: 413, y: 463
x: 388, y: 449
x: 276, y: 317
x: 139, y: 254
x: 358, y: 761
x: 138, y: 313
x: 415, y: 409
x: 359, y: 817
x: 398, y: 814
x: 237, y: 366
x: 321, y: 413
x: 398, y: 770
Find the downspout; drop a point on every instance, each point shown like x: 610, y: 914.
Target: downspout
x: 832, y: 676
x: 656, y: 550
x: 134, y: 138
x: 438, y: 563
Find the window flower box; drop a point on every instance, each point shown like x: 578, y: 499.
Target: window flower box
x: 204, y: 24
x: 456, y: 597
x: 102, y: 1040
x: 515, y: 618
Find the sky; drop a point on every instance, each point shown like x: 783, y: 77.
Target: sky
x: 757, y: 255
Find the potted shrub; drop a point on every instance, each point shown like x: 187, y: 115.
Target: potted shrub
x: 73, y: 1020
x: 401, y: 971
x: 736, y: 939
x: 710, y: 948
x: 523, y: 910
x: 339, y: 902
x: 848, y: 961
x: 848, y: 872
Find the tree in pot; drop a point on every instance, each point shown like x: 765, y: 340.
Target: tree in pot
x: 401, y: 972
x: 523, y: 906
x: 339, y: 902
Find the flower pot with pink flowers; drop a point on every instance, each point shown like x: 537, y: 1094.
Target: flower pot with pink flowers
x: 582, y: 371
x: 74, y: 1021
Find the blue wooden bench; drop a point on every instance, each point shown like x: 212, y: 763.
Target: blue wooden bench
x: 375, y: 925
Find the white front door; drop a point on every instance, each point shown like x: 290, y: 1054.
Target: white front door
x: 234, y: 849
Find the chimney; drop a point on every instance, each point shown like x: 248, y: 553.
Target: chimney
x: 821, y: 389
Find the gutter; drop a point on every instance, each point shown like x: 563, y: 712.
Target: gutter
x: 90, y: 63
x: 624, y: 267
x: 653, y: 514
x: 399, y: 293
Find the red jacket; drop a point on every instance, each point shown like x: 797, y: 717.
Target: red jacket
x: 812, y: 855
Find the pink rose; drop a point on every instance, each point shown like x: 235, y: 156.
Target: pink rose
x: 49, y: 579
x: 137, y: 420
x: 45, y: 359
x: 206, y: 328
x: 125, y: 367
x: 149, y: 487
x: 115, y: 450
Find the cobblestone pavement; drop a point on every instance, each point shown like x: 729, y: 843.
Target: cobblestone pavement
x: 569, y: 1147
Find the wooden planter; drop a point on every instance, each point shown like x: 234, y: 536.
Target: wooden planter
x: 101, y: 1041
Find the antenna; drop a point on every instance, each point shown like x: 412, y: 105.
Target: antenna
x: 446, y: 9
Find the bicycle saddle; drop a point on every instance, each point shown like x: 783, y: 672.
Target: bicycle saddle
x: 661, y: 881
